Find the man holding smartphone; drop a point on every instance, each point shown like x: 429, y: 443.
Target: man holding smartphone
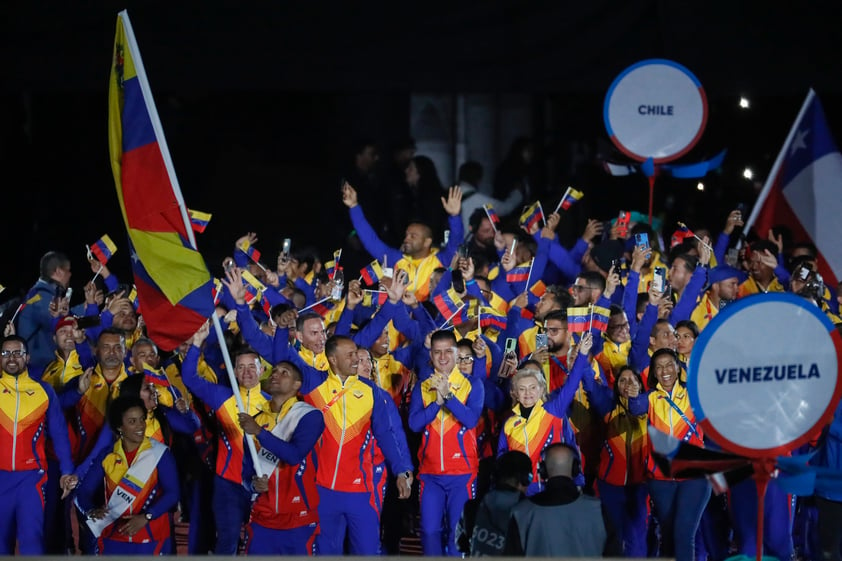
x: 35, y: 319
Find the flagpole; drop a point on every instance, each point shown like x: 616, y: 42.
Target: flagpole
x: 529, y: 276
x: 157, y: 127
x: 590, y: 323
x: 563, y: 198
x: 493, y: 227
x: 541, y: 210
x: 235, y: 387
x: 770, y: 179
x: 314, y: 304
x: 459, y: 309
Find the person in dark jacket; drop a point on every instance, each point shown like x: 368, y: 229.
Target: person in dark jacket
x: 485, y: 520
x: 560, y: 521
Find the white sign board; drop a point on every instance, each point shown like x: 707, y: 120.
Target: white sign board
x: 764, y: 376
x: 655, y: 109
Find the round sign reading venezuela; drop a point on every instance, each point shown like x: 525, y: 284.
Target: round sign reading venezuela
x: 764, y: 376
x: 655, y: 109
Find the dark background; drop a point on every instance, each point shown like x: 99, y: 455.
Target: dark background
x: 260, y: 102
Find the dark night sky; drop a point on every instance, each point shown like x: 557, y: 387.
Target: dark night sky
x: 259, y: 100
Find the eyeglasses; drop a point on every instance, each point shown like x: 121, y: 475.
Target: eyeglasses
x: 16, y: 354
x: 578, y: 287
x: 465, y: 359
x: 618, y: 326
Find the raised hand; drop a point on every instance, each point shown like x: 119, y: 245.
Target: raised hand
x: 593, y: 229
x: 349, y: 195
x: 453, y: 204
x: 233, y: 281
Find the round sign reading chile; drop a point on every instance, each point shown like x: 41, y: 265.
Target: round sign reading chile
x: 764, y: 375
x: 655, y: 109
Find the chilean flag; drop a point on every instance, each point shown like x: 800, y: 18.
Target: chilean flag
x: 803, y: 190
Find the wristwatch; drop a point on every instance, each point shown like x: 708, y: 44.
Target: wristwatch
x: 447, y: 397
x: 148, y: 515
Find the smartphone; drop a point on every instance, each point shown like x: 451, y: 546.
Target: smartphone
x: 464, y: 251
x: 511, y: 345
x: 228, y: 265
x: 69, y: 293
x: 286, y: 248
x: 622, y: 224
x: 667, y: 290
x: 741, y: 208
x: 61, y: 292
x: 446, y: 237
x: 642, y: 240
x: 457, y: 281
x: 85, y: 322
x: 541, y: 340
x: 659, y: 279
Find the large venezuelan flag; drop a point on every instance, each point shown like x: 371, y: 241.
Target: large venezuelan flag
x: 173, y: 282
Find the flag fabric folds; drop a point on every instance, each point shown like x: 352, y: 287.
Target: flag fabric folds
x: 578, y: 319
x: 491, y: 318
x: 374, y: 298
x: 323, y: 307
x: 103, y: 249
x: 600, y: 318
x: 134, y: 300
x: 467, y: 312
x: 447, y: 303
x: 371, y: 273
x: 802, y: 191
x: 216, y: 291
x: 681, y: 234
x: 251, y: 251
x: 570, y: 198
x: 199, y: 220
x: 532, y: 215
x: 518, y: 274
x: 492, y: 216
x: 172, y: 280
x: 538, y: 289
x: 330, y: 266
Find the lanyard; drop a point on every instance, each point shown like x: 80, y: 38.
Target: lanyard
x: 683, y: 416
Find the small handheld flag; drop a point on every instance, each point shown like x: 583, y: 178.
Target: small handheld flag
x: 538, y: 289
x: 492, y: 216
x: 322, y: 307
x: 250, y: 250
x: 532, y: 215
x: 371, y: 273
x: 599, y: 318
x: 452, y: 316
x: 684, y: 232
x: 253, y: 253
x: 570, y: 198
x: 103, y: 249
x: 448, y: 303
x: 199, y: 220
x: 216, y: 291
x: 518, y: 274
x: 374, y: 298
x: 578, y: 319
x: 330, y: 266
